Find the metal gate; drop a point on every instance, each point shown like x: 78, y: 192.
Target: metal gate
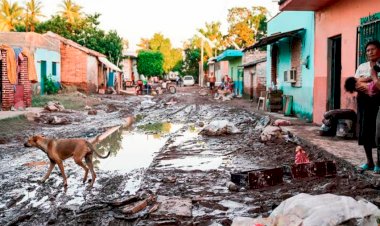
x: 368, y: 30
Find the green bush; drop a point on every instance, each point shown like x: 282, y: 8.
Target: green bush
x: 49, y: 86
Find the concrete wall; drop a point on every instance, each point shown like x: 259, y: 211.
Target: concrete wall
x: 338, y: 19
x: 221, y: 69
x: 50, y: 57
x: 303, y: 92
x: 255, y: 82
x: 92, y: 73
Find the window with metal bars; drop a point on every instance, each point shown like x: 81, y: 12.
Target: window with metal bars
x: 368, y: 31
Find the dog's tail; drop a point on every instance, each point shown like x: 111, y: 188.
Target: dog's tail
x: 96, y: 153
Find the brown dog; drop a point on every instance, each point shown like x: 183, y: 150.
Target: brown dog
x: 60, y: 149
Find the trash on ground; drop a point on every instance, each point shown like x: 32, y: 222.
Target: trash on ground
x: 270, y: 133
x: 327, y: 209
x: 301, y: 156
x: 54, y: 106
x: 220, y: 127
x: 282, y: 122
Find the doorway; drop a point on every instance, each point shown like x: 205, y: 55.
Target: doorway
x: 274, y: 62
x: 334, y: 70
x: 43, y: 76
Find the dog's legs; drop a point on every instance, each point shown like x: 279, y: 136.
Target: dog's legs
x: 51, y: 167
x: 90, y: 165
x: 60, y: 165
x: 80, y: 163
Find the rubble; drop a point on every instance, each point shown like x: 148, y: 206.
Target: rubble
x: 54, y: 106
x: 220, y: 127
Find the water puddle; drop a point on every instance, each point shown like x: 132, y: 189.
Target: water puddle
x: 133, y: 150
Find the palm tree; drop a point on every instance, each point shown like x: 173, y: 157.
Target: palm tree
x: 71, y: 11
x: 10, y: 15
x: 33, y: 11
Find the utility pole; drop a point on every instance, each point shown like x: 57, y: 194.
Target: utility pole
x: 201, y: 76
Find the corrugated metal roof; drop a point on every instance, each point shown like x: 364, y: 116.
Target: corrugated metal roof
x: 109, y: 64
x: 229, y: 54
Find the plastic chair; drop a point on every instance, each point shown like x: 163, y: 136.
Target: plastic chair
x: 262, y: 100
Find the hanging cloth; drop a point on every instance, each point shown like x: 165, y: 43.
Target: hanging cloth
x: 11, y: 64
x: 31, y: 65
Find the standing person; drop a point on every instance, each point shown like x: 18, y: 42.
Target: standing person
x: 368, y: 106
x: 212, y: 80
x: 177, y: 80
x: 133, y: 78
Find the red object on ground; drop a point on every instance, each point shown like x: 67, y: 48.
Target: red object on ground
x: 301, y: 156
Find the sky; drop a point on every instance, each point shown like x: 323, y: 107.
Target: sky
x: 175, y: 19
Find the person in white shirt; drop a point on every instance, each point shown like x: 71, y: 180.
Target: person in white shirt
x: 368, y: 106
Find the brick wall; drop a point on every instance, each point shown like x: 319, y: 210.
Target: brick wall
x: 8, y: 89
x: 296, y: 60
x: 24, y: 80
x: 73, y: 67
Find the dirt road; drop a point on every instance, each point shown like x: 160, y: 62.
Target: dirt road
x: 163, y: 159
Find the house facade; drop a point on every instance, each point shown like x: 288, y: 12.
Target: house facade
x: 234, y: 58
x: 84, y: 68
x: 290, y: 57
x: 254, y: 73
x: 341, y: 31
x: 46, y: 52
x: 129, y: 66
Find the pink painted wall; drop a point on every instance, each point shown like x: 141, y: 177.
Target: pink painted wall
x: 341, y: 18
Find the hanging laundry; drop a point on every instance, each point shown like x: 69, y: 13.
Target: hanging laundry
x: 11, y: 64
x: 31, y: 65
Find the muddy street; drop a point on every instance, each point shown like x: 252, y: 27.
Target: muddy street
x: 164, y: 162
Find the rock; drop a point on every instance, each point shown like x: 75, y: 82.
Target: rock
x: 87, y: 108
x: 281, y: 122
x: 128, y: 121
x: 203, y: 93
x: 201, y: 124
x: 54, y: 106
x: 31, y: 116
x: 58, y: 121
x: 154, y: 208
x: 121, y: 202
x: 220, y: 127
x: 111, y: 108
x: 92, y: 112
x: 170, y: 179
x: 232, y: 186
x: 135, y: 207
x: 173, y: 206
x: 270, y: 133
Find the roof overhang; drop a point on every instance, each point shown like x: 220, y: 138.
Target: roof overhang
x: 229, y: 55
x: 108, y: 64
x: 302, y: 5
x: 252, y: 63
x: 274, y: 38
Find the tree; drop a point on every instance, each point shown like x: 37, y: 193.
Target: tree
x: 71, y: 11
x: 10, y: 15
x: 246, y: 26
x: 33, y: 12
x: 191, y: 62
x: 87, y: 33
x: 150, y: 63
x: 159, y: 43
x: 212, y: 32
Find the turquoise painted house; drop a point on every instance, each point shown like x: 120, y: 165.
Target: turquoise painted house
x: 234, y: 58
x: 290, y: 58
x: 47, y: 54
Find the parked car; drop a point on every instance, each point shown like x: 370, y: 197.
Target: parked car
x: 188, y: 80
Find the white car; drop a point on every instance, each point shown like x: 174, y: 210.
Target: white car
x: 188, y: 80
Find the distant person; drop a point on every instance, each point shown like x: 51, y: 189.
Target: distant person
x: 212, y: 80
x: 133, y: 78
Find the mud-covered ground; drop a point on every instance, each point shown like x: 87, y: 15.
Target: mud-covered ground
x: 161, y: 157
